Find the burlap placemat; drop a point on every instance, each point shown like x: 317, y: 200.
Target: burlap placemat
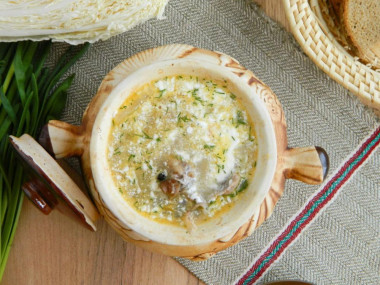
x: 342, y: 245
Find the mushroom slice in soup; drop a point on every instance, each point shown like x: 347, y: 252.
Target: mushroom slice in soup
x: 230, y: 185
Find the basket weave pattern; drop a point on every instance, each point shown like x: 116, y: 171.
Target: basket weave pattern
x: 310, y: 31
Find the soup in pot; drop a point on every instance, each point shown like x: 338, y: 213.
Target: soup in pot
x: 182, y: 149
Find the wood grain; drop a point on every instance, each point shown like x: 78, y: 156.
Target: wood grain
x: 55, y: 250
x: 275, y: 10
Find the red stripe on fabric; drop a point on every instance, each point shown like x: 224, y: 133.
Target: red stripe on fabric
x: 308, y: 206
x: 312, y: 216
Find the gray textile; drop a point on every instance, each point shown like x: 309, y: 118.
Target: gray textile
x: 343, y: 245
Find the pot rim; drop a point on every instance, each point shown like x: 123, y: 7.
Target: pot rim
x: 214, y: 229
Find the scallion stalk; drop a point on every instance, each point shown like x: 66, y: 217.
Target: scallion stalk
x: 30, y: 94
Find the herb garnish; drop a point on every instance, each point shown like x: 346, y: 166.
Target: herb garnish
x: 161, y: 92
x: 131, y: 156
x: 148, y: 164
x: 206, y: 146
x: 182, y: 118
x: 195, y: 95
x: 240, y: 118
x: 242, y: 186
x: 144, y: 135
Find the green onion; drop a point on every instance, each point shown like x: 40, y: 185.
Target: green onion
x: 30, y: 95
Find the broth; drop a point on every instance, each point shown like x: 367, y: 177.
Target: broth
x: 182, y: 149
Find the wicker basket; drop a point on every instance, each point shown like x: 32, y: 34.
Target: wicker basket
x: 313, y: 34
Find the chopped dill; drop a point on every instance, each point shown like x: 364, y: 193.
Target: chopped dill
x: 148, y: 164
x: 182, y: 118
x: 207, y: 146
x: 240, y: 118
x: 195, y: 95
x: 131, y: 156
x: 161, y: 92
x: 146, y: 136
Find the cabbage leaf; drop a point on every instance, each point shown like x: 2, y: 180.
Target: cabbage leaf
x: 73, y: 21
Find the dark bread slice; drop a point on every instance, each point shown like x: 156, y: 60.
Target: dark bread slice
x: 336, y: 5
x: 361, y: 20
x: 332, y: 13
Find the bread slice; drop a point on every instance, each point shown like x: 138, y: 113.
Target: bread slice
x: 333, y: 18
x: 361, y: 20
x: 336, y: 5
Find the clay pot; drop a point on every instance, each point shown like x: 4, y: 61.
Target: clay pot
x: 89, y: 141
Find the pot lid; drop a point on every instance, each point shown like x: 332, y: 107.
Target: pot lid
x: 53, y: 183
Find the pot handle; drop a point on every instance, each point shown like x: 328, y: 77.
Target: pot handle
x: 306, y: 164
x: 61, y: 139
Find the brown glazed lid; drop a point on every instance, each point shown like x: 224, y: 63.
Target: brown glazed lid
x: 52, y: 183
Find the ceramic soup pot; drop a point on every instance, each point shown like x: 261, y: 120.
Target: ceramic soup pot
x: 90, y: 141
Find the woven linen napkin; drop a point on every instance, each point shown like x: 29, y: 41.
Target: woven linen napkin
x: 342, y: 245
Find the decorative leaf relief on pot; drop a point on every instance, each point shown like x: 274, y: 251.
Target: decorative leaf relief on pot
x: 228, y: 237
x: 234, y: 66
x: 267, y: 206
x: 253, y: 222
x: 122, y: 229
x: 229, y: 62
x: 270, y: 100
x: 244, y: 231
x: 248, y: 229
x: 151, y: 56
x: 201, y: 257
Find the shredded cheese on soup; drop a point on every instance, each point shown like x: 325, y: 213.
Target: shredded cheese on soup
x: 182, y: 149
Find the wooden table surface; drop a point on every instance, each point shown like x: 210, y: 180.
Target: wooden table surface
x: 55, y: 250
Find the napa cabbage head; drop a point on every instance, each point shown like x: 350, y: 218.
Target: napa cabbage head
x: 73, y: 21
